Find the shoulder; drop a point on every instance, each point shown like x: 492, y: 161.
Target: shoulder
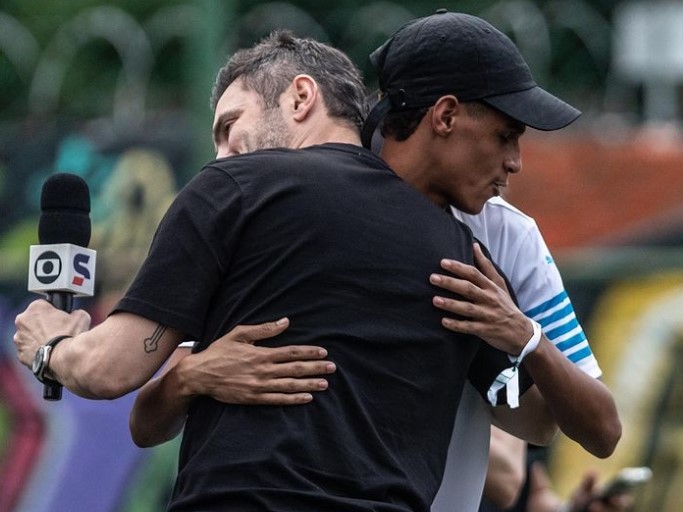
x: 250, y: 170
x: 249, y: 161
x: 501, y: 226
x: 303, y: 159
x: 499, y: 210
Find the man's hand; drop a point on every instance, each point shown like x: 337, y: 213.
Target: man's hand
x: 233, y: 370
x: 230, y: 370
x: 585, y: 498
x: 40, y: 322
x: 486, y: 308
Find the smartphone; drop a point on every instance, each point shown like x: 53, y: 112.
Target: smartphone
x: 625, y: 481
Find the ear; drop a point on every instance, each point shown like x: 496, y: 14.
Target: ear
x: 302, y: 97
x: 444, y: 114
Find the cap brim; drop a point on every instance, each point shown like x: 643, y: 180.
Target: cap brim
x: 536, y: 108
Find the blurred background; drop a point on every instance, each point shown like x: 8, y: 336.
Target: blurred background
x: 118, y: 93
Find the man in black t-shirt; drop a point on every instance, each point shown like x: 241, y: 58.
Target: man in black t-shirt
x: 329, y: 236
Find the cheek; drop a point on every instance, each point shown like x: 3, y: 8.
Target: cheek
x: 239, y: 140
x: 486, y: 164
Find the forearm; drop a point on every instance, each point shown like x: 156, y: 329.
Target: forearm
x: 582, y: 406
x: 75, y: 367
x: 113, y: 358
x: 160, y: 409
x: 532, y: 421
x: 507, y: 469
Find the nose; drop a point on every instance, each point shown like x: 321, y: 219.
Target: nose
x: 513, y: 164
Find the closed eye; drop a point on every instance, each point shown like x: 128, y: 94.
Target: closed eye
x: 221, y: 128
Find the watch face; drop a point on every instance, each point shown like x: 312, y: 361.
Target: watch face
x: 38, y: 361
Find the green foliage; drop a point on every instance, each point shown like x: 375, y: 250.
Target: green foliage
x: 183, y: 65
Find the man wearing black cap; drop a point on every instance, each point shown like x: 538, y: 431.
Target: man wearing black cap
x: 456, y: 97
x: 464, y: 56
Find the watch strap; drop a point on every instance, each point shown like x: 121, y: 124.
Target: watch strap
x: 51, y: 343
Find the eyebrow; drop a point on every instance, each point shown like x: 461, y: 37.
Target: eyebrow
x: 520, y: 128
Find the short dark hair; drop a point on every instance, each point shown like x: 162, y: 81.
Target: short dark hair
x: 269, y: 67
x: 401, y: 124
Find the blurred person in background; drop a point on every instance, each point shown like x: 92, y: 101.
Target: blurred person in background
x: 518, y: 481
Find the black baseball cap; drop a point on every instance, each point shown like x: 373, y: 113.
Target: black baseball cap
x: 463, y: 55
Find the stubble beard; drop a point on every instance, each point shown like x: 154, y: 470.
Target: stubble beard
x: 272, y: 131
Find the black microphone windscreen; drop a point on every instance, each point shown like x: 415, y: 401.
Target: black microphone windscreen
x: 65, y: 208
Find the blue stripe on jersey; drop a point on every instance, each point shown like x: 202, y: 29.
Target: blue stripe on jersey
x: 549, y: 304
x: 565, y: 345
x: 580, y: 354
x: 565, y: 312
x: 562, y: 329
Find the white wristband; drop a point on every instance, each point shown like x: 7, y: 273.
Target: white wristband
x: 509, y: 378
x: 530, y: 346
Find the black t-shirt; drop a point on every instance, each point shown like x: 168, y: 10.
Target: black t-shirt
x: 330, y: 237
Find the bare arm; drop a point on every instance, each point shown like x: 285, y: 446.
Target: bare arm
x: 582, y: 406
x: 160, y: 408
x: 230, y: 370
x: 108, y: 361
x: 532, y: 421
x: 507, y: 469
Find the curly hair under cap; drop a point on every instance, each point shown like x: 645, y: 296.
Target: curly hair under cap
x: 270, y: 66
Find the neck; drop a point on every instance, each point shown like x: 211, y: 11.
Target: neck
x: 413, y: 164
x: 331, y: 131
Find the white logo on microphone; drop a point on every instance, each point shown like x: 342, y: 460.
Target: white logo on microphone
x: 48, y: 266
x: 62, y: 268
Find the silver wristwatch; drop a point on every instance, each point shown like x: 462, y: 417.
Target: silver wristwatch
x: 42, y: 358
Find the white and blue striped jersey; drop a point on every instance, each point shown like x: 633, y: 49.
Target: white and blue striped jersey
x: 517, y: 246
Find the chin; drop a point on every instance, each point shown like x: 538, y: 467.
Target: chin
x: 472, y: 209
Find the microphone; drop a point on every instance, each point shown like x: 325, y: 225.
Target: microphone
x: 62, y: 267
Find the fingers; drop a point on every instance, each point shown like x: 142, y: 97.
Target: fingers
x: 83, y: 320
x: 298, y: 369
x: 479, y: 276
x: 280, y: 391
x: 620, y: 503
x: 481, y: 261
x: 254, y: 333
x: 284, y: 399
x: 460, y: 309
x: 463, y: 270
x: 461, y: 326
x: 589, y: 481
x: 293, y: 386
x: 289, y: 391
x: 294, y: 353
x: 486, y: 266
x: 460, y: 287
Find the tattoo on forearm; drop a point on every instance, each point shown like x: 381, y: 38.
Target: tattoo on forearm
x: 152, y: 343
